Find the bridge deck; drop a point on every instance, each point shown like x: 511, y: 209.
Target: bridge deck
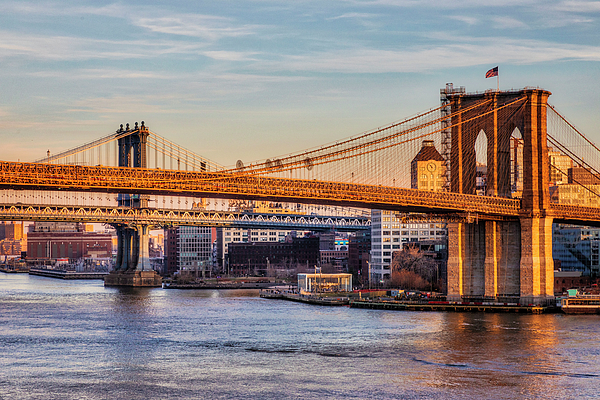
x: 239, y: 186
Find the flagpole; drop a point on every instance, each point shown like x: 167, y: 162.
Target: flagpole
x: 498, y: 80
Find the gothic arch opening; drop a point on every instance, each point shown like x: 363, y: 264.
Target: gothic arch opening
x: 516, y: 163
x: 481, y: 161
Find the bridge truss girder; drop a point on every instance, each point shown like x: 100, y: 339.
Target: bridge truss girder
x: 167, y: 217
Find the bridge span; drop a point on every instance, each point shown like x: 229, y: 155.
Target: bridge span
x: 500, y: 213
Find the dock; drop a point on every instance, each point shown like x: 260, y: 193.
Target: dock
x: 62, y: 274
x: 291, y: 295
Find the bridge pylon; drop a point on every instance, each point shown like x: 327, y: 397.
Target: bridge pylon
x: 133, y: 153
x: 501, y: 260
x: 132, y: 267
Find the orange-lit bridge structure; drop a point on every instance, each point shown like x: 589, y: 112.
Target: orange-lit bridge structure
x: 501, y: 227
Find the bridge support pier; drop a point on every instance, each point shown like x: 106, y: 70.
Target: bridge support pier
x: 484, y: 261
x: 537, y: 265
x: 132, y: 267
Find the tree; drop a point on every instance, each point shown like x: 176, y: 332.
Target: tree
x: 412, y: 269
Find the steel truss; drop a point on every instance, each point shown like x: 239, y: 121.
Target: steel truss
x: 167, y: 217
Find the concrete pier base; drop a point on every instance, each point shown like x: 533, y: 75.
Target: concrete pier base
x: 133, y: 279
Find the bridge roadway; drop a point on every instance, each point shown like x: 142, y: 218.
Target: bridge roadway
x: 40, y: 176
x: 169, y: 217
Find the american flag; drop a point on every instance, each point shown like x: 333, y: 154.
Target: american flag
x: 492, y: 72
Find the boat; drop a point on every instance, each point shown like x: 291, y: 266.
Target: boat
x: 581, y: 304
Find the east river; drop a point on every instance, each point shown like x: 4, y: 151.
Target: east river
x: 79, y: 340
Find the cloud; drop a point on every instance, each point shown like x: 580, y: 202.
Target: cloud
x: 231, y: 55
x: 104, y: 73
x: 463, y: 4
x: 464, y: 52
x: 466, y: 19
x: 353, y: 15
x: 578, y: 6
x: 194, y: 25
x: 508, y: 23
x: 69, y: 48
x: 149, y: 18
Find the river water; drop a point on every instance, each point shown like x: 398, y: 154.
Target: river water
x: 79, y: 340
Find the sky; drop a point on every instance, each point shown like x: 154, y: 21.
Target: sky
x: 256, y: 79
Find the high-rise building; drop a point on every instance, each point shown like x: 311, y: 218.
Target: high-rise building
x: 559, y: 167
x: 12, y: 238
x: 577, y: 248
x: 188, y: 248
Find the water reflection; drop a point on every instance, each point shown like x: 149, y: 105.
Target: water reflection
x: 68, y: 340
x: 498, y: 350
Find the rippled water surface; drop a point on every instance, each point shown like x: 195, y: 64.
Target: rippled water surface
x: 79, y: 340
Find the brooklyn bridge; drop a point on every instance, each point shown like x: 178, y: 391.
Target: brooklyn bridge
x: 502, y: 228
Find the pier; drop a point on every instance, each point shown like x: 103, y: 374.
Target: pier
x: 62, y: 274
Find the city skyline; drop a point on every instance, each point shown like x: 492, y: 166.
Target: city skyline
x: 223, y: 78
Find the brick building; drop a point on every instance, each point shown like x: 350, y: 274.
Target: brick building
x: 256, y: 258
x: 51, y: 242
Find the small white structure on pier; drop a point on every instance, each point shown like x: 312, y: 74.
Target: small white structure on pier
x: 321, y: 283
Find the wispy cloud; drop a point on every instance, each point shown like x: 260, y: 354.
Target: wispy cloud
x: 429, y: 58
x: 46, y: 47
x: 466, y: 19
x: 353, y: 15
x: 231, y: 55
x: 508, y: 23
x: 104, y: 73
x: 202, y: 26
x: 578, y: 6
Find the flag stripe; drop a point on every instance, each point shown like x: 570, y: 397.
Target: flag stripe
x: 492, y: 72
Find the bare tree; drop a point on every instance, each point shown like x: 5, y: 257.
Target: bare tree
x: 412, y: 269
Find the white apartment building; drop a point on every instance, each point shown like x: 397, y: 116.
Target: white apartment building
x: 388, y: 233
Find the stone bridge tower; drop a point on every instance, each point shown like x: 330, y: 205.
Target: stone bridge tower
x: 501, y: 259
x: 132, y: 266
